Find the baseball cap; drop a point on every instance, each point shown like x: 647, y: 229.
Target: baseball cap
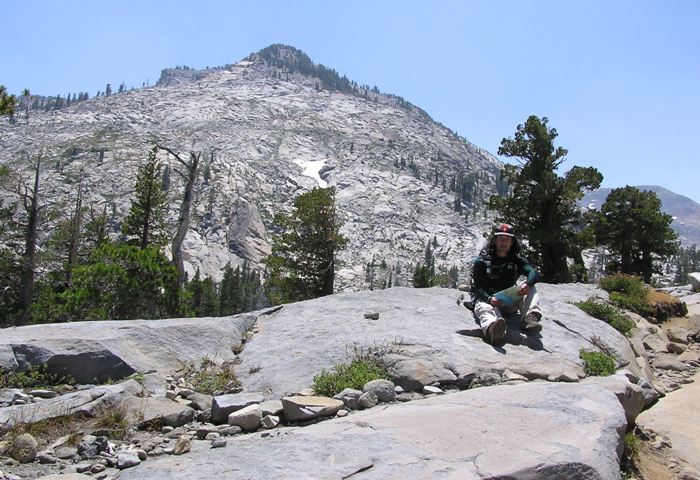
x: 504, y: 229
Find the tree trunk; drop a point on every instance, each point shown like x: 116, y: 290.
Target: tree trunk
x: 329, y: 277
x: 145, y: 231
x: 581, y: 273
x: 554, y: 266
x: 647, y: 265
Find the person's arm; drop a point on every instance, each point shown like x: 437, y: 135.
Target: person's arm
x: 479, y: 278
x: 525, y: 268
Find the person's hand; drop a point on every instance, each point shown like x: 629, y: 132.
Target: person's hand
x: 524, y: 290
x: 495, y: 302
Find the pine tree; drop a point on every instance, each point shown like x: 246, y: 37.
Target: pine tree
x: 8, y: 102
x: 193, y: 289
x: 209, y: 300
x: 229, y: 291
x: 122, y: 282
x: 202, y: 300
x: 9, y: 267
x: 302, y: 263
x: 145, y: 223
x: 421, y: 277
x: 24, y: 220
x: 687, y: 261
x: 251, y: 296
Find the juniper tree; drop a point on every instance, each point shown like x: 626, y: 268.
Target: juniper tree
x: 631, y: 225
x: 542, y: 205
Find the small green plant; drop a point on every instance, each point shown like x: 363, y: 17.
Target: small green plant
x: 633, y: 445
x: 342, y: 376
x: 114, y: 418
x: 597, y: 363
x: 630, y: 455
x: 365, y: 366
x: 608, y: 313
x: 36, y: 376
x: 211, y: 378
x: 638, y: 303
x: 138, y: 377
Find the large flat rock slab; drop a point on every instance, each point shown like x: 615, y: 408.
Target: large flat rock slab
x: 427, y: 335
x: 92, y: 352
x: 538, y: 430
x: 677, y: 417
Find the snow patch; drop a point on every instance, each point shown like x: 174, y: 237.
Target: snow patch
x: 311, y: 168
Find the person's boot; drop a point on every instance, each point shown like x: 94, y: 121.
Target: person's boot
x: 496, y: 331
x: 531, y: 323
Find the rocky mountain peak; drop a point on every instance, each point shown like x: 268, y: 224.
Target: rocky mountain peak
x: 284, y: 55
x: 270, y: 127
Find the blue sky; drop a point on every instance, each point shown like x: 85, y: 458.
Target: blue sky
x: 619, y: 80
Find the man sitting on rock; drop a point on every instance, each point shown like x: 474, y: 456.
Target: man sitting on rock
x: 497, y: 268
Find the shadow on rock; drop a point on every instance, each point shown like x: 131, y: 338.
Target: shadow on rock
x: 514, y: 335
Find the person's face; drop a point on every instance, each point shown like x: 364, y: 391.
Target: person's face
x: 503, y: 244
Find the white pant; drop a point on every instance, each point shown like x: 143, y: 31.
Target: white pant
x: 487, y: 313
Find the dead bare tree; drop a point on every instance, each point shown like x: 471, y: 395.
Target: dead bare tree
x: 76, y: 225
x: 28, y: 199
x: 189, y: 175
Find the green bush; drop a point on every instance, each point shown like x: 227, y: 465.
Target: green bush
x: 352, y: 375
x: 597, y: 363
x: 628, y: 292
x: 635, y: 303
x: 608, y: 313
x: 628, y: 284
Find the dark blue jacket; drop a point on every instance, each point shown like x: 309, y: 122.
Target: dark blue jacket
x: 492, y: 274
